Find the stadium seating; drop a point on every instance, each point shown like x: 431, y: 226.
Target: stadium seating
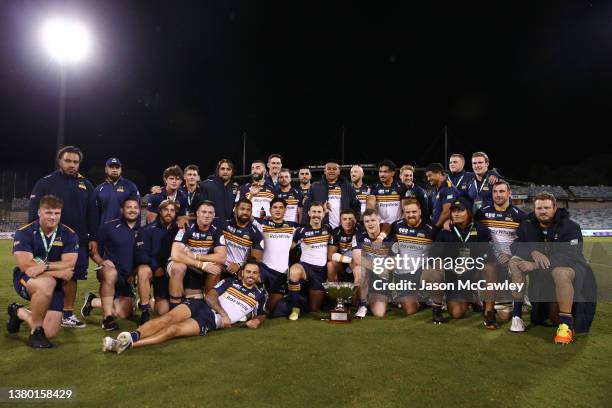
x: 592, y: 219
x: 592, y: 192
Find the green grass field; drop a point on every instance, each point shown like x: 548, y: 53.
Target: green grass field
x: 395, y: 361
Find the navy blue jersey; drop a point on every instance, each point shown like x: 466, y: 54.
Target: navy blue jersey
x: 28, y: 239
x: 345, y: 242
x: 414, y: 242
x: 304, y: 192
x: 117, y: 242
x: 474, y: 237
x: 153, y: 244
x: 199, y: 241
x: 240, y: 241
x: 180, y: 197
x: 238, y: 301
x: 294, y: 200
x: 461, y: 181
x: 110, y: 197
x: 419, y: 194
x: 261, y: 199
x: 80, y: 210
x: 480, y: 193
x: 194, y: 198
x: 445, y: 194
x: 313, y: 243
x: 502, y: 225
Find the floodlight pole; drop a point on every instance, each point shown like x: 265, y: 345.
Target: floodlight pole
x: 61, y: 115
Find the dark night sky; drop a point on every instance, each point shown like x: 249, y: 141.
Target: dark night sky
x: 531, y: 84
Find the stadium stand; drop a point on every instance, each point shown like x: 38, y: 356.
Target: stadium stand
x: 592, y: 219
x: 592, y: 192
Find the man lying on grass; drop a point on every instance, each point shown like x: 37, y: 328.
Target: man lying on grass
x: 228, y: 302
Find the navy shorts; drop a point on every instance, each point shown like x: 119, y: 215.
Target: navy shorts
x: 122, y: 287
x: 20, y: 280
x: 316, y: 275
x: 414, y: 278
x: 194, y: 279
x: 80, y: 268
x: 160, y: 287
x: 273, y: 281
x: 202, y: 314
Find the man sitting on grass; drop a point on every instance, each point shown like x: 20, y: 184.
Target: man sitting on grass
x: 227, y: 303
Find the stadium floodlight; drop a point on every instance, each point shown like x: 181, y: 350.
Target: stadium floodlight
x: 68, y: 42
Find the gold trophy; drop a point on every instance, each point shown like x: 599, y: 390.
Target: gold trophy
x: 342, y: 293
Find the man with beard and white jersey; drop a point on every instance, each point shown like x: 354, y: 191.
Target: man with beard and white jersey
x: 278, y: 237
x: 197, y: 257
x: 304, y: 177
x: 415, y: 191
x: 386, y: 195
x: 313, y: 240
x: 111, y: 194
x: 292, y: 196
x: 344, y: 258
x: 335, y: 192
x: 258, y: 190
x: 362, y: 189
x: 502, y: 219
x: 229, y: 302
x: 414, y: 237
x: 242, y: 238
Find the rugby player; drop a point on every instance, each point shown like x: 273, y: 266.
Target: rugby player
x: 229, y: 302
x: 196, y: 250
x: 304, y: 177
x: 80, y: 213
x: 115, y: 259
x: 153, y: 243
x: 460, y: 178
x: 313, y: 240
x: 386, y: 195
x: 274, y: 167
x: 258, y: 190
x: 242, y: 238
x: 415, y: 191
x: 468, y: 240
x: 278, y: 237
x: 561, y: 259
x: 220, y: 190
x: 442, y: 195
x: 191, y: 188
x: 480, y: 187
x: 344, y: 258
x: 414, y: 238
x: 45, y: 253
x: 362, y: 189
x: 336, y: 194
x: 111, y: 194
x: 173, y: 177
x: 292, y: 196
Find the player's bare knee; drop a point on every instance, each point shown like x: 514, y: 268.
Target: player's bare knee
x: 144, y: 274
x: 171, y: 330
x: 109, y: 275
x: 562, y: 274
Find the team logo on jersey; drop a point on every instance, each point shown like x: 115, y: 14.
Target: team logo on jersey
x: 245, y: 236
x: 251, y: 295
x: 508, y: 218
x: 420, y: 234
x: 120, y: 189
x: 82, y: 185
x: 208, y: 238
x: 324, y: 232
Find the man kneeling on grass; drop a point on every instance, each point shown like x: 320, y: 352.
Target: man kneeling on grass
x: 227, y: 303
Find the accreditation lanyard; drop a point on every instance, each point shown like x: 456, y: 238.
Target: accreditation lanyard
x: 190, y: 197
x: 478, y: 190
x: 463, y: 240
x: 458, y: 181
x: 48, y: 246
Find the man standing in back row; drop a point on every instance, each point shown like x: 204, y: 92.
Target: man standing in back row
x: 80, y: 213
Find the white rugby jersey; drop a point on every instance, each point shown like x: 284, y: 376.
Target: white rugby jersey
x: 277, y: 242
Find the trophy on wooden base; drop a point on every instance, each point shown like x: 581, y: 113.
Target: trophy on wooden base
x: 342, y: 293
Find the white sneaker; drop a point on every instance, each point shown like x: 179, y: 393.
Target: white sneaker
x: 109, y: 344
x: 518, y: 325
x: 124, y: 342
x: 73, y: 322
x: 361, y: 312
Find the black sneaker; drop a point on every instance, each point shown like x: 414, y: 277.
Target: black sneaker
x: 87, y: 307
x: 489, y: 321
x: 436, y: 315
x: 477, y: 306
x: 145, y: 316
x: 12, y: 326
x: 38, y: 339
x: 109, y: 324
